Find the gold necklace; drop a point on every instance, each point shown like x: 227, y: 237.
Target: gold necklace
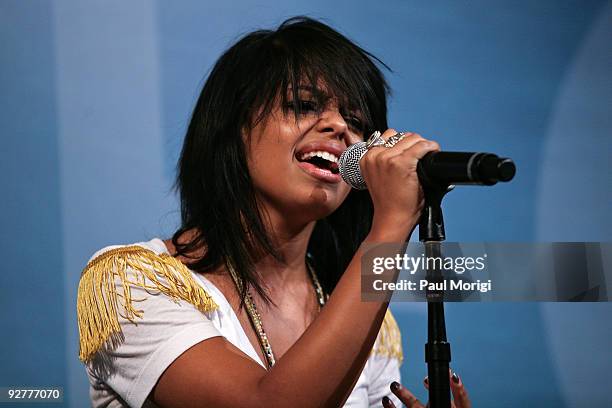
x: 255, y: 317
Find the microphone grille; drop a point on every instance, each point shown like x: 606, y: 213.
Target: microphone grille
x: 348, y: 164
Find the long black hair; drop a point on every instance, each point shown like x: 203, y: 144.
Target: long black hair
x: 218, y: 199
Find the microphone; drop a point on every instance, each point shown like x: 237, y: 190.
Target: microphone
x: 441, y: 168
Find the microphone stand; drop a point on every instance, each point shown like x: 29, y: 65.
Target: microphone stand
x: 437, y: 348
x: 481, y: 168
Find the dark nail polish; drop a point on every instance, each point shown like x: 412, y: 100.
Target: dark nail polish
x: 426, y: 380
x: 395, y: 386
x: 386, y: 400
x: 455, y: 378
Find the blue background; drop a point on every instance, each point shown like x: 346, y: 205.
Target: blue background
x: 96, y: 97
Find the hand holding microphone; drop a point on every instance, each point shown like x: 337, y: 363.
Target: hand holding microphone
x: 390, y: 174
x: 437, y: 167
x: 392, y: 166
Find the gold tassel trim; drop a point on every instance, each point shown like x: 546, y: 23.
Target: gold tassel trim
x: 97, y: 299
x: 389, y: 343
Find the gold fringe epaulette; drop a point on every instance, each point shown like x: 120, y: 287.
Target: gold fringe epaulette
x: 97, y: 299
x: 389, y: 342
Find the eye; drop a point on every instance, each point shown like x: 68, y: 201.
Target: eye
x: 303, y: 106
x: 355, y: 123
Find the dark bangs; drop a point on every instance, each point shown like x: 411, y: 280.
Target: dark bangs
x: 304, y: 53
x: 218, y: 201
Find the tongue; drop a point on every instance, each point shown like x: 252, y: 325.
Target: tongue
x: 334, y: 168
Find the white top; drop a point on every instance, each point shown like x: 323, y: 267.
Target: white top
x: 126, y: 375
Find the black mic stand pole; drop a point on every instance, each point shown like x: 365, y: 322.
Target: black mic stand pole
x: 437, y: 349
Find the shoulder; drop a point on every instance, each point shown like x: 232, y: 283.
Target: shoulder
x: 389, y: 341
x: 118, y: 276
x: 139, y: 309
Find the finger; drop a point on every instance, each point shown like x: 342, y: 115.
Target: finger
x: 384, y: 136
x: 413, y: 150
x: 380, y: 153
x: 409, y: 400
x: 416, y: 152
x: 409, y: 140
x: 460, y: 395
x: 387, y: 403
x: 388, y: 133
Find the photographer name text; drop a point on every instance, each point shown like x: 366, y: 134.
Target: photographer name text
x: 424, y: 284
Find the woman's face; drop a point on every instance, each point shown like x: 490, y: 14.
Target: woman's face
x: 293, y: 161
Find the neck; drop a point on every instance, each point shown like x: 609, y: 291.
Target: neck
x: 291, y: 244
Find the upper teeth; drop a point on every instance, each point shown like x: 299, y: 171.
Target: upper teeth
x: 318, y: 153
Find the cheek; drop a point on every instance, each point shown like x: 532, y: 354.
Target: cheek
x: 270, y: 169
x: 271, y: 149
x: 273, y: 164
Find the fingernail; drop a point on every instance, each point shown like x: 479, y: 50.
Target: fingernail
x: 455, y: 378
x: 426, y: 380
x: 395, y: 386
x: 386, y: 400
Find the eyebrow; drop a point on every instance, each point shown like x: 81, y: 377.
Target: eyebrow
x: 304, y: 87
x: 311, y: 89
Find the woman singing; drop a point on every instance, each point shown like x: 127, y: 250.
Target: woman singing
x: 255, y: 300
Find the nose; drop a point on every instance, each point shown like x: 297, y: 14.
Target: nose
x: 332, y: 124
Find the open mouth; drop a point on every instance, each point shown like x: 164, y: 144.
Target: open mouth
x: 321, y: 159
